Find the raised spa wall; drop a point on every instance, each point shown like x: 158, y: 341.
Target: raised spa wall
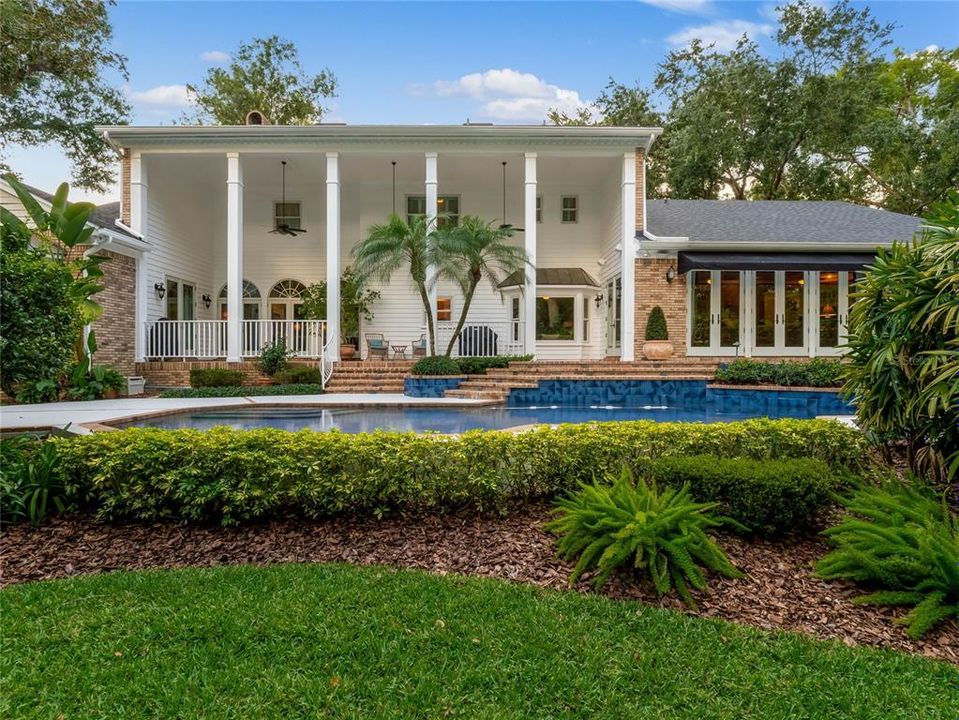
x: 430, y: 386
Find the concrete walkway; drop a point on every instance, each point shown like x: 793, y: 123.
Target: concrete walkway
x: 44, y: 416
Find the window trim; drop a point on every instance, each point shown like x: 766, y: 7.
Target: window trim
x: 299, y: 217
x: 563, y: 209
x: 451, y: 310
x: 564, y: 341
x: 457, y: 215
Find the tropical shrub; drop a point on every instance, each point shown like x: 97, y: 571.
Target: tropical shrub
x: 274, y: 357
x: 226, y: 475
x: 86, y: 383
x: 656, y: 325
x: 767, y: 496
x: 436, y: 365
x: 904, y: 345
x: 299, y: 375
x: 242, y: 391
x: 356, y: 302
x: 901, y: 540
x: 31, y: 486
x: 479, y: 365
x: 660, y: 536
x: 820, y: 372
x: 215, y: 377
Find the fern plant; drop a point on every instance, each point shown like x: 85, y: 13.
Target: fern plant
x: 660, y: 536
x: 902, y: 540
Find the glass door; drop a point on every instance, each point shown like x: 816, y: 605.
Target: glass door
x: 715, y: 312
x: 614, y: 315
x: 831, y: 300
x: 779, y: 318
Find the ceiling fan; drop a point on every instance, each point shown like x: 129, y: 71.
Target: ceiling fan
x: 506, y: 224
x: 284, y: 228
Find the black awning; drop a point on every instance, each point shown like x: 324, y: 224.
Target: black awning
x: 773, y: 261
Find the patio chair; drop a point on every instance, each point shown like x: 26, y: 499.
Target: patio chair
x: 419, y: 347
x: 376, y: 345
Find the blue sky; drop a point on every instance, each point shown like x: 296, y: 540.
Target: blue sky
x: 441, y: 62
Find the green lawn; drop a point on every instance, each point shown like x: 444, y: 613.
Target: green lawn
x: 336, y: 641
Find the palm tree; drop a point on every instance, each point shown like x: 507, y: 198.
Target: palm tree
x: 473, y: 250
x: 389, y: 247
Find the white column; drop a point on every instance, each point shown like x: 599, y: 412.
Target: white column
x: 234, y: 257
x: 333, y: 254
x: 529, y: 223
x: 431, y: 198
x: 628, y: 247
x: 139, y: 223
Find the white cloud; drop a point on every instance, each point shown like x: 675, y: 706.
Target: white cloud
x: 507, y: 94
x: 723, y: 34
x: 161, y: 96
x: 696, y: 7
x: 215, y: 56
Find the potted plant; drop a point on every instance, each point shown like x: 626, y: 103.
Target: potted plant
x: 657, y: 345
x: 356, y: 301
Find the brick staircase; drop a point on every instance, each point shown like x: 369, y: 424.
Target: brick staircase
x: 369, y: 376
x: 496, y: 384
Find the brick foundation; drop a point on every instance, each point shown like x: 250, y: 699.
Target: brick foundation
x: 176, y: 373
x: 651, y: 290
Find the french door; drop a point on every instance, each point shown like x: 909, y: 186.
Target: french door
x: 614, y: 315
x: 716, y: 312
x: 830, y: 300
x: 779, y: 312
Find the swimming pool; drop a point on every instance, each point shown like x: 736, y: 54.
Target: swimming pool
x: 716, y: 406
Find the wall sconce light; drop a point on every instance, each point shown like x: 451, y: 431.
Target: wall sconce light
x: 598, y: 300
x: 160, y: 290
x: 207, y: 299
x: 670, y: 274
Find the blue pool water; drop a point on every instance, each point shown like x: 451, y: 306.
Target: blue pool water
x: 669, y: 401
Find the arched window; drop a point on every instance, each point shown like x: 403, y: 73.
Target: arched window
x: 251, y: 302
x: 286, y: 300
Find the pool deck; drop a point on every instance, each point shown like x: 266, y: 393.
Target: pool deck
x: 80, y: 415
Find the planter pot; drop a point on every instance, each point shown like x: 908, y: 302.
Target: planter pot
x: 111, y: 394
x: 657, y: 349
x: 347, y: 352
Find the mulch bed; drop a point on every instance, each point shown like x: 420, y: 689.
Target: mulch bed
x: 779, y: 590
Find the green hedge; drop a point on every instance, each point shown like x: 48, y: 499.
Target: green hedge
x: 443, y: 365
x: 767, y: 496
x: 244, y: 391
x: 227, y: 475
x: 299, y: 375
x: 820, y: 372
x: 215, y: 377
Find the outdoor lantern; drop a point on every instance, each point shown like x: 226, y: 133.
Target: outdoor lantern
x: 207, y: 299
x: 160, y: 289
x: 670, y: 274
x: 598, y: 300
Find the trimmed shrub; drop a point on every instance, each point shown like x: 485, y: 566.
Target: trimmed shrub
x: 479, y: 365
x: 299, y: 375
x: 436, y: 365
x: 215, y: 377
x: 274, y: 357
x: 903, y: 542
x: 244, y: 391
x: 767, y: 496
x: 228, y: 475
x: 661, y: 536
x: 656, y: 325
x: 821, y: 372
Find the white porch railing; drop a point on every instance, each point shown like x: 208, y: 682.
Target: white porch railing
x: 482, y: 339
x: 207, y: 339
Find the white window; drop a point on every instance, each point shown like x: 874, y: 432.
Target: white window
x: 444, y: 309
x: 286, y: 214
x: 555, y: 317
x: 447, y: 208
x: 586, y: 319
x: 570, y: 209
x: 539, y: 208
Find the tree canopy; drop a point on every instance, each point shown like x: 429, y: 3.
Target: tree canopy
x: 830, y: 114
x: 54, y: 56
x: 265, y: 74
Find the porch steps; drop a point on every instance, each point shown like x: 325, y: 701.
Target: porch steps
x: 370, y: 376
x: 496, y: 384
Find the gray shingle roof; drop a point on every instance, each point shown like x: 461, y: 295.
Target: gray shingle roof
x: 553, y: 276
x: 772, y: 221
x: 104, y: 216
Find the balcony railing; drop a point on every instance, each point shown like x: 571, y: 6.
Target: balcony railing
x: 482, y: 339
x: 207, y: 339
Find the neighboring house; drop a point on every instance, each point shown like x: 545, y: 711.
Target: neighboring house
x: 115, y: 330
x: 748, y: 278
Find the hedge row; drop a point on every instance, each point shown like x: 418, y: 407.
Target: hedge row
x: 227, y: 475
x: 445, y: 365
x: 820, y: 372
x: 242, y: 391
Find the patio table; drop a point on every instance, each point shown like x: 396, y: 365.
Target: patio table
x: 398, y: 350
